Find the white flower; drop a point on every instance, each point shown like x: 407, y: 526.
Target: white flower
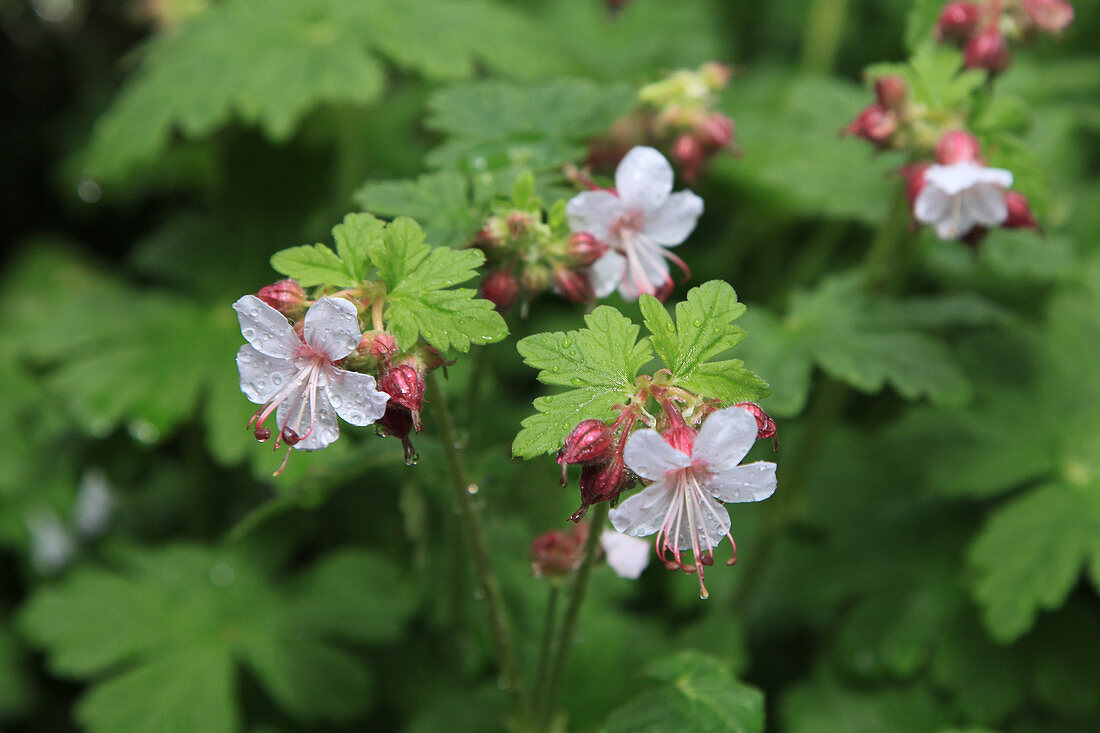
x: 956, y: 198
x: 683, y: 504
x: 95, y: 504
x: 638, y: 223
x: 627, y: 556
x: 52, y: 547
x: 295, y: 377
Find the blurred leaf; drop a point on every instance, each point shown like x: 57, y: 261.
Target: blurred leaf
x: 599, y: 362
x: 701, y: 695
x: 164, y: 631
x: 1065, y: 665
x: 921, y: 22
x: 15, y: 690
x: 441, y: 202
x: 824, y: 706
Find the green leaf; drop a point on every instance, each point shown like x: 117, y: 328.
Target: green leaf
x: 825, y: 705
x: 313, y: 265
x: 419, y: 301
x: 497, y: 124
x: 354, y: 239
x: 600, y: 362
x: 1031, y: 553
x: 936, y: 77
x: 270, y: 62
x: 440, y: 201
x: 701, y: 695
x: 162, y: 633
x: 921, y: 22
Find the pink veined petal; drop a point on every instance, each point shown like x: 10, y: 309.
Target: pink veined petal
x: 648, y: 455
x: 295, y: 413
x: 644, y: 513
x: 265, y: 328
x: 332, y: 327
x: 643, y: 179
x: 711, y: 523
x: 594, y: 212
x: 725, y: 438
x: 671, y: 224
x: 355, y: 397
x: 931, y: 205
x: 646, y: 268
x: 750, y: 482
x: 262, y: 376
x: 627, y: 556
x: 607, y: 273
x: 986, y: 204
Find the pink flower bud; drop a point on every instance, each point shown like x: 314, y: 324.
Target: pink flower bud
x: 590, y: 442
x: 501, y: 288
x: 716, y: 131
x: 378, y: 345
x: 716, y: 75
x: 876, y: 124
x: 987, y: 50
x: 957, y: 21
x: 891, y: 91
x: 405, y: 387
x: 585, y: 249
x: 601, y: 482
x: 688, y: 153
x: 914, y: 178
x: 764, y: 423
x: 519, y: 223
x: 1049, y: 15
x: 573, y: 285
x: 1019, y: 212
x: 285, y: 296
x: 956, y: 147
x: 555, y: 553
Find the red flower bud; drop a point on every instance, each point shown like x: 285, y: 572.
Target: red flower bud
x: 680, y: 437
x: 585, y: 249
x: 601, y: 482
x: 573, y: 285
x: 688, y: 153
x: 1019, y: 212
x: 716, y: 131
x: 285, y: 296
x: 405, y: 387
x: 891, y: 91
x: 764, y: 423
x: 664, y: 290
x: 914, y: 177
x: 1049, y: 15
x: 555, y: 553
x: 590, y: 442
x: 501, y: 288
x: 957, y: 21
x: 987, y: 50
x: 378, y: 345
x: 876, y: 124
x: 398, y: 422
x: 957, y: 146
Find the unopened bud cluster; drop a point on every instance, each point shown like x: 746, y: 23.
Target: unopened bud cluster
x: 676, y: 115
x: 983, y: 29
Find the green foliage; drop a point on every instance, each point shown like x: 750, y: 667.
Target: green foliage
x: 164, y: 631
x: 700, y: 695
x: 15, y: 691
x: 935, y: 77
x: 440, y: 201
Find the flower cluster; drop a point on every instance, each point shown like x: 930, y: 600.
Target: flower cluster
x: 309, y: 361
x: 675, y: 114
x: 982, y: 29
x: 691, y: 452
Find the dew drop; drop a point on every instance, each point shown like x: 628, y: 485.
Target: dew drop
x: 472, y: 489
x: 249, y: 334
x: 670, y: 328
x: 222, y: 575
x: 576, y: 382
x: 555, y: 369
x: 479, y: 594
x: 697, y: 322
x: 412, y: 460
x: 566, y: 343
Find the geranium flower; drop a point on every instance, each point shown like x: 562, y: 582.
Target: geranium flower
x: 683, y: 505
x: 638, y: 222
x: 956, y: 198
x: 296, y: 378
x: 627, y: 556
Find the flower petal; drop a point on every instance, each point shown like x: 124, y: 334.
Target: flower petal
x: 607, y: 273
x: 648, y: 455
x: 265, y: 328
x: 594, y: 212
x: 297, y: 411
x: 986, y: 204
x: 644, y: 513
x: 332, y: 327
x: 931, y: 205
x: 750, y: 482
x: 671, y: 224
x: 262, y: 376
x: 627, y: 556
x: 355, y: 397
x: 725, y: 438
x: 646, y: 270
x: 953, y: 179
x: 712, y: 522
x: 643, y: 179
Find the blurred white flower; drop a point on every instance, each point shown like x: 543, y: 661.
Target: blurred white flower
x: 95, y: 504
x: 627, y: 556
x: 638, y: 222
x: 956, y: 198
x: 52, y: 547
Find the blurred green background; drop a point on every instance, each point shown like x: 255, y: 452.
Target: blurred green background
x: 932, y: 557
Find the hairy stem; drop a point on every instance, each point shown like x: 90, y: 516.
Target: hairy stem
x: 478, y: 545
x: 548, y: 693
